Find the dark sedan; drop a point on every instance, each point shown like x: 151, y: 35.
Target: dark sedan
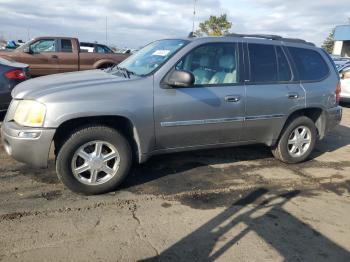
x: 11, y: 73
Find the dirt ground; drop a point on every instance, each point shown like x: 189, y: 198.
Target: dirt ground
x: 235, y: 204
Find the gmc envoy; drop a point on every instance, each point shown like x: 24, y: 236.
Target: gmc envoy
x: 175, y: 95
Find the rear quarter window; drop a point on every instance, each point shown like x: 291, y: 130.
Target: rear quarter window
x: 309, y: 64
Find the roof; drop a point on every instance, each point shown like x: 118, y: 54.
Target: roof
x: 257, y: 36
x: 342, y: 33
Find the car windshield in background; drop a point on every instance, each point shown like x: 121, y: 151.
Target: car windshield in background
x: 149, y: 58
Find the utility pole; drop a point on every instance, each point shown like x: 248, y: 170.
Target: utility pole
x: 194, y: 14
x: 106, y: 31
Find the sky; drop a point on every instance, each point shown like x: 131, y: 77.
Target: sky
x: 134, y: 23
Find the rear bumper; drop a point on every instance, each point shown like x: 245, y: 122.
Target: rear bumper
x: 27, y: 145
x: 334, y: 116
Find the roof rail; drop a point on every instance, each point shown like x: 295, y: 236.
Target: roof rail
x: 272, y: 37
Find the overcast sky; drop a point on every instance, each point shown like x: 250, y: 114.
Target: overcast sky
x: 134, y: 23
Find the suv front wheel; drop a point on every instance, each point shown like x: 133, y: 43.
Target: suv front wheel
x: 94, y: 160
x: 297, y: 141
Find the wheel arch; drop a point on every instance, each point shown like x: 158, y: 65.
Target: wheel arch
x: 120, y: 123
x: 316, y: 114
x: 102, y: 63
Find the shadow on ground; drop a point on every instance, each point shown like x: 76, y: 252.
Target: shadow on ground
x: 290, y: 237
x: 217, y: 168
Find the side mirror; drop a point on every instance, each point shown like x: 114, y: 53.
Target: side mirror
x: 179, y: 78
x: 28, y: 50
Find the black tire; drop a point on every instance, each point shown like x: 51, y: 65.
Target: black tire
x: 86, y: 135
x: 280, y: 151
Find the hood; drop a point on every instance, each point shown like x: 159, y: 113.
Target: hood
x: 41, y: 86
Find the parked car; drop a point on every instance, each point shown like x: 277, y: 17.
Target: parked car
x: 175, y: 95
x: 11, y: 73
x: 95, y: 48
x: 345, y: 83
x: 50, y: 55
x: 340, y: 61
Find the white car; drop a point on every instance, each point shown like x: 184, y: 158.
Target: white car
x: 345, y: 84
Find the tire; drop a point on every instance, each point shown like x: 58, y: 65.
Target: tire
x: 87, y: 140
x: 283, y: 151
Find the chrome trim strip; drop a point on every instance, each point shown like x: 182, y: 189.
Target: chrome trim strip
x: 219, y: 120
x: 201, y: 122
x: 264, y: 117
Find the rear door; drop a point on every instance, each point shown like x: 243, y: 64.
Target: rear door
x: 68, y: 57
x: 209, y: 112
x: 272, y: 91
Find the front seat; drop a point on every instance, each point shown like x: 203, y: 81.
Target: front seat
x: 201, y: 74
x: 228, y: 72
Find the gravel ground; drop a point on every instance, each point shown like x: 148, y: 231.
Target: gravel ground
x: 234, y: 204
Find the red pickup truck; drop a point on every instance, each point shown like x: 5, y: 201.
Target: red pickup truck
x: 51, y: 55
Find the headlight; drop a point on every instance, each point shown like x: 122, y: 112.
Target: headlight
x: 30, y: 113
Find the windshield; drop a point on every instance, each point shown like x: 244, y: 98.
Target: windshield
x: 149, y: 58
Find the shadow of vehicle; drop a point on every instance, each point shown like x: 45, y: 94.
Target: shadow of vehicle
x: 345, y: 104
x: 290, y: 237
x: 177, y: 172
x: 183, y: 171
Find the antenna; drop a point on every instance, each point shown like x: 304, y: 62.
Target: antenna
x: 106, y: 31
x: 194, y: 13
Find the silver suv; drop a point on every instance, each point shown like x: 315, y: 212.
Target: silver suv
x: 175, y: 95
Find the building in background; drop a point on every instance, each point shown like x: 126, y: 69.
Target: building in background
x: 342, y: 41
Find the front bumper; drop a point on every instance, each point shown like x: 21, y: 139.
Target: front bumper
x: 27, y: 145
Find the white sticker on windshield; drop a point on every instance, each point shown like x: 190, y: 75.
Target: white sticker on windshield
x: 161, y: 52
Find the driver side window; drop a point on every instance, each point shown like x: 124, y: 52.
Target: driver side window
x: 44, y: 45
x: 212, y: 64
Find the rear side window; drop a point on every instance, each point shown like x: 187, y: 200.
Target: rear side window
x: 103, y: 50
x: 263, y: 63
x: 309, y: 63
x: 66, y: 46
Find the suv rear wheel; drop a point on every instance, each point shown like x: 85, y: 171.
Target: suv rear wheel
x: 297, y: 141
x: 94, y: 160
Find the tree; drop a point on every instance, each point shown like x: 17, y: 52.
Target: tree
x: 328, y: 44
x: 215, y: 26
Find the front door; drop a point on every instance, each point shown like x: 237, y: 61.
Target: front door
x: 43, y: 59
x: 212, y: 110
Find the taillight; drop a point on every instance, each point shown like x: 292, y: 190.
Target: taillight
x: 18, y: 74
x: 337, y: 92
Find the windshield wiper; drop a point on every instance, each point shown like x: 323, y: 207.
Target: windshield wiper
x: 126, y: 72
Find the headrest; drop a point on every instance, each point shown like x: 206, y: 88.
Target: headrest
x: 227, y: 62
x: 204, y: 61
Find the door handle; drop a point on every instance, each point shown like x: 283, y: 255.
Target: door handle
x: 54, y: 56
x: 293, y: 95
x: 232, y: 99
